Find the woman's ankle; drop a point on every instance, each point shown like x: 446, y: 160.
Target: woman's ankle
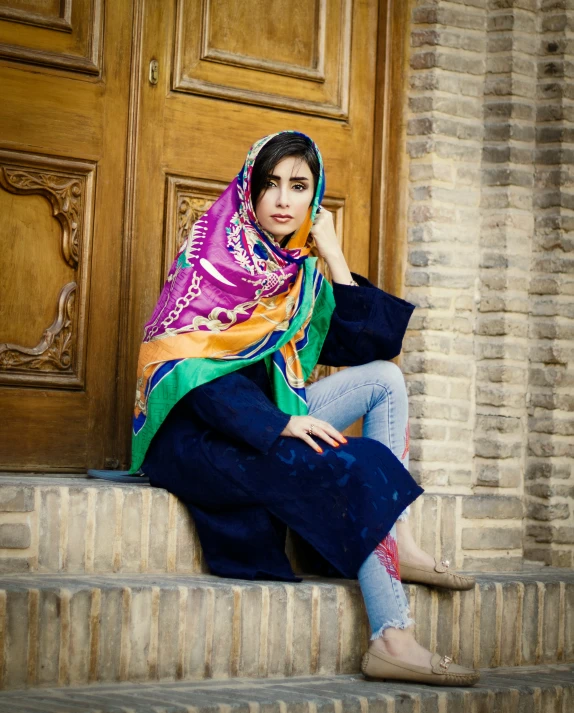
x: 395, y: 641
x: 401, y: 644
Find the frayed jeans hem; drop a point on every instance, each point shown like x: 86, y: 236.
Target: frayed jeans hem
x: 393, y: 624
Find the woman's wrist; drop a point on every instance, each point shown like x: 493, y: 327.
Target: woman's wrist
x: 338, y: 268
x: 334, y: 253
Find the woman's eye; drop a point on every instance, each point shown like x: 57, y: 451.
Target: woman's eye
x: 270, y: 184
x: 299, y: 186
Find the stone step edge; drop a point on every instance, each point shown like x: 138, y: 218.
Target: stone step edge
x: 66, y: 630
x: 542, y: 575
x: 540, y: 688
x: 79, y: 524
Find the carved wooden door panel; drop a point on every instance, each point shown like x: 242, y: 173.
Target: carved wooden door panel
x: 64, y: 75
x: 215, y: 76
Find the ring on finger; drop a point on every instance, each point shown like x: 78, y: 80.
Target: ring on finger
x: 311, y: 429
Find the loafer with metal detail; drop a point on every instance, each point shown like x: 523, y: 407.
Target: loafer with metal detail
x: 377, y: 666
x: 437, y: 576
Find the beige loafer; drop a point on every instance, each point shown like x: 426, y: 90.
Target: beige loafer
x: 437, y: 576
x: 377, y: 666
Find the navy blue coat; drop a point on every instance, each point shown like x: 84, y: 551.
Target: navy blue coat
x: 221, y: 452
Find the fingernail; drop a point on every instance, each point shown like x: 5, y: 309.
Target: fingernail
x: 320, y: 450
x: 345, y: 440
x: 336, y: 444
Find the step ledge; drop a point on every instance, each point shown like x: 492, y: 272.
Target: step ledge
x: 47, y: 579
x: 550, y: 681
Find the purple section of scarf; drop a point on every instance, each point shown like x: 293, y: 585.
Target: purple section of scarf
x: 220, y: 266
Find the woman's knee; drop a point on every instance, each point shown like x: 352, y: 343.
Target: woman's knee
x: 388, y: 375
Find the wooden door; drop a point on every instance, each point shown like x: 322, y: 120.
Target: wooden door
x: 227, y: 74
x: 64, y: 79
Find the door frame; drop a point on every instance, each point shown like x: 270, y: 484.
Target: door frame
x: 390, y: 180
x: 388, y: 223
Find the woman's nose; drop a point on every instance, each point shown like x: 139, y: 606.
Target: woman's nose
x: 283, y: 197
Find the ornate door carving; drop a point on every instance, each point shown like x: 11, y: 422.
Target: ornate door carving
x: 63, y: 129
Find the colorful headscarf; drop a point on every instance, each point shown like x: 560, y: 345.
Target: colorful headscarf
x: 233, y: 296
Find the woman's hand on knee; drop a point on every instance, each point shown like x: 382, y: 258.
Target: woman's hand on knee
x: 304, y: 427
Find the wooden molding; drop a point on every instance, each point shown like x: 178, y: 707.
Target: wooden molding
x: 334, y: 108
x: 316, y: 72
x: 54, y: 352
x: 388, y: 226
x: 267, y: 66
x: 58, y: 358
x: 89, y: 62
x: 65, y: 196
x: 340, y: 110
x: 61, y: 22
x: 125, y: 349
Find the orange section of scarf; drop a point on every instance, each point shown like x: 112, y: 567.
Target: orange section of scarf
x: 299, y: 239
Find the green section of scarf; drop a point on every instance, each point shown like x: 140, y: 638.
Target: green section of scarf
x: 190, y: 373
x: 283, y: 396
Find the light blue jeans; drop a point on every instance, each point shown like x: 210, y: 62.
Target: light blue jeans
x: 376, y: 392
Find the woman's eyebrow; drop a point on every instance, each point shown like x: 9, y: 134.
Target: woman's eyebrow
x: 292, y: 178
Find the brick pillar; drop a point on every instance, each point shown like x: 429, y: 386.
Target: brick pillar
x: 444, y: 129
x: 507, y: 228
x: 489, y: 356
x: 550, y: 477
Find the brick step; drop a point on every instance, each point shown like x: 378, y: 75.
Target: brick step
x: 75, y: 525
x: 60, y: 630
x: 519, y: 690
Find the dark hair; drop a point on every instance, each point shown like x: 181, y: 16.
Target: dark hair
x: 275, y: 150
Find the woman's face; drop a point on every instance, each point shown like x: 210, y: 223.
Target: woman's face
x: 282, y: 207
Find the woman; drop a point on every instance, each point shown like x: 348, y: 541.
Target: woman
x: 223, y: 419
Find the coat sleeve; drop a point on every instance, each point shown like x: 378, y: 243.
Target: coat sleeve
x: 367, y: 324
x: 238, y: 409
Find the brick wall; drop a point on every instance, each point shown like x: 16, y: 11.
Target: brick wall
x: 549, y: 481
x: 488, y: 357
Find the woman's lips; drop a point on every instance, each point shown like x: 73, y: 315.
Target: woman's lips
x: 282, y: 219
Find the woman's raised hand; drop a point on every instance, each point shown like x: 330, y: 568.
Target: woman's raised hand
x: 324, y: 235
x: 304, y: 427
